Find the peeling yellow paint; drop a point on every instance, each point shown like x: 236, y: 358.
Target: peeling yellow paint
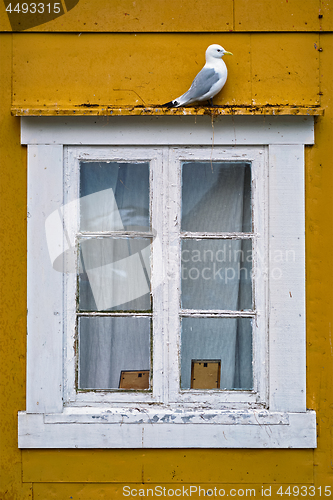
x: 159, y: 111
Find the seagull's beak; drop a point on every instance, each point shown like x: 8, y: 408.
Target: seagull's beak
x: 228, y: 54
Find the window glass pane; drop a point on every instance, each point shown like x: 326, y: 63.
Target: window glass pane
x: 114, y: 353
x: 114, y: 196
x: 216, y: 197
x: 216, y: 274
x: 216, y: 353
x: 114, y: 274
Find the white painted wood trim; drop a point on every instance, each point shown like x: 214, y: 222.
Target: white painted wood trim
x: 287, y: 279
x: 295, y: 430
x: 161, y: 414
x: 49, y: 424
x: 167, y: 130
x: 45, y: 309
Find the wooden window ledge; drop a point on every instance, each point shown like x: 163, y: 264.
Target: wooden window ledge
x: 97, y: 110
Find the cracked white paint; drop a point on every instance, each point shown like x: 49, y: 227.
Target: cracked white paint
x: 254, y: 417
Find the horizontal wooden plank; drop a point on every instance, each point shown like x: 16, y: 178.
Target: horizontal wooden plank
x: 196, y: 490
x: 84, y: 491
x: 135, y: 130
x: 61, y: 71
x: 128, y: 16
x: 172, y: 16
x: 164, y: 467
x: 161, y: 111
x: 158, y: 416
x: 34, y: 433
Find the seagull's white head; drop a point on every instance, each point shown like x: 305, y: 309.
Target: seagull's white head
x: 216, y: 52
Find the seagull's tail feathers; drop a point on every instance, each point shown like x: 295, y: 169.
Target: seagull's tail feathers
x: 171, y: 104
x: 184, y: 99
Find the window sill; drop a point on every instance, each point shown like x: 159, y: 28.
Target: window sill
x: 149, y: 428
x: 100, y: 110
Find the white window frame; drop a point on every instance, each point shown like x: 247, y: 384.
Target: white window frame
x: 165, y: 180
x: 274, y: 415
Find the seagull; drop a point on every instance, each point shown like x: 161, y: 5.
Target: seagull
x: 208, y: 82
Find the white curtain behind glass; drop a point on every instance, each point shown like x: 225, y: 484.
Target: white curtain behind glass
x: 108, y: 346
x: 216, y: 273
x: 114, y: 272
x: 216, y: 198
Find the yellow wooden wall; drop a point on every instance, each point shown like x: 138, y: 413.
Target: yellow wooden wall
x: 125, y: 53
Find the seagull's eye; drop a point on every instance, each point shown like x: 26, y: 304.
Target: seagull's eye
x: 218, y: 50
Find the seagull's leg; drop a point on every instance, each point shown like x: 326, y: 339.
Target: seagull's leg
x: 211, y: 103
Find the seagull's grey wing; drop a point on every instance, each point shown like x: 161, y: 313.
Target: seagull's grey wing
x: 202, y: 83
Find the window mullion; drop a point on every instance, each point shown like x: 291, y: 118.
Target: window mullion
x: 157, y: 200
x: 172, y: 239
